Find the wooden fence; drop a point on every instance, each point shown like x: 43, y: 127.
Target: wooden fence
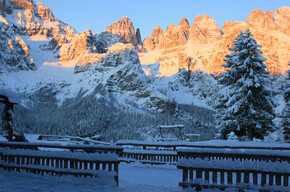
x: 166, y: 152
x: 84, y: 161
x: 149, y: 156
x: 239, y: 168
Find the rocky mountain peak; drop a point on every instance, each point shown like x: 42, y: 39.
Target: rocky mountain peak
x: 125, y: 29
x: 184, y: 23
x: 257, y: 18
x: 282, y: 19
x: 26, y: 4
x: 45, y: 12
x: 208, y: 27
x: 157, y: 31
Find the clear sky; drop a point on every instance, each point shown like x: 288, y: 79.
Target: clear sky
x: 145, y: 14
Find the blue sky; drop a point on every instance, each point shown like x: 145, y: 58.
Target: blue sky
x: 145, y: 14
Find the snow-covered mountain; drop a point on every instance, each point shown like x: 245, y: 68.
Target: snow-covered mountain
x: 80, y: 82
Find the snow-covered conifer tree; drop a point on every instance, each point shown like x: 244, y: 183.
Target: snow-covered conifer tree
x: 245, y: 106
x: 286, y: 110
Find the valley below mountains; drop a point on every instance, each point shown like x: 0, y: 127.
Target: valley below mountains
x: 116, y: 84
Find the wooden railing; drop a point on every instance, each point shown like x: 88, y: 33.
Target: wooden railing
x: 235, y: 154
x: 71, y: 139
x: 149, y: 156
x: 239, y: 168
x: 166, y: 152
x: 90, y: 161
x: 217, y: 144
x: 71, y: 147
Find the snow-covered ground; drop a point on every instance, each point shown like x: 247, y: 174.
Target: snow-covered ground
x: 132, y: 178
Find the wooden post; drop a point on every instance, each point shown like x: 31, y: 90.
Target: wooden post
x: 222, y: 177
x: 57, y: 163
x: 65, y: 163
x: 255, y: 178
x: 198, y: 173
x: 246, y: 177
x: 238, y: 179
x: 110, y: 166
x: 91, y: 165
x: 104, y: 165
x: 271, y: 179
x: 72, y: 164
x: 85, y: 165
x: 214, y: 176
x: 116, y: 167
x: 285, y: 180
x: 230, y: 177
x: 191, y: 175
x: 278, y: 179
x: 184, y: 174
x: 97, y: 166
x: 263, y: 179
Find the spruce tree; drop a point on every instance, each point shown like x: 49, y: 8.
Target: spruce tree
x: 286, y: 110
x: 245, y: 106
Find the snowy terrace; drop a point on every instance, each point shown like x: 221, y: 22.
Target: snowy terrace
x: 138, y: 176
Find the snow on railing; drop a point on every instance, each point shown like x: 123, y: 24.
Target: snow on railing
x: 153, y: 151
x: 71, y: 147
x: 70, y: 138
x: 61, y: 154
x: 228, y: 164
x: 149, y: 156
x: 234, y: 154
x: 223, y: 144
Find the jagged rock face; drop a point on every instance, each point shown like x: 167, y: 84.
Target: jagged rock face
x: 282, y: 18
x: 88, y: 48
x: 173, y: 36
x: 125, y: 29
x: 14, y: 53
x: 208, y: 27
x: 196, y: 36
x: 38, y: 19
x: 259, y: 19
x: 207, y: 45
x: 176, y: 35
x: 85, y: 43
x: 156, y: 39
x: 88, y: 59
x: 26, y: 4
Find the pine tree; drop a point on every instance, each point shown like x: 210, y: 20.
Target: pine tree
x: 286, y: 110
x: 245, y: 106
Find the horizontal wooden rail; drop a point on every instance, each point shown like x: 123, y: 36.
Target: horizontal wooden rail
x: 71, y: 147
x: 216, y: 145
x: 150, y: 157
x: 70, y: 138
x: 235, y: 154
